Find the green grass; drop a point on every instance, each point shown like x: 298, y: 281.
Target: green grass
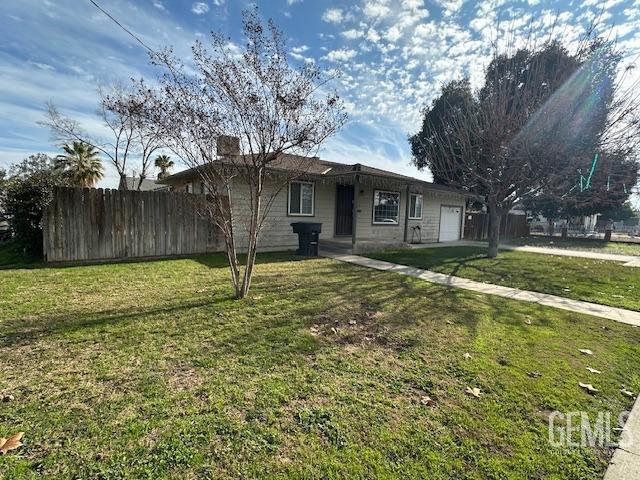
x: 599, y: 246
x: 151, y: 371
x: 597, y: 281
x: 12, y: 256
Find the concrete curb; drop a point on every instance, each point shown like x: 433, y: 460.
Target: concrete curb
x: 625, y: 463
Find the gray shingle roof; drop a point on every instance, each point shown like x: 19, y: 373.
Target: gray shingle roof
x: 147, y: 184
x: 317, y: 167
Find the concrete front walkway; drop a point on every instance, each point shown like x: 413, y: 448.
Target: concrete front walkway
x: 612, y: 313
x: 627, y: 260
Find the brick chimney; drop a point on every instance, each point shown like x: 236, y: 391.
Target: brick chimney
x: 228, y: 145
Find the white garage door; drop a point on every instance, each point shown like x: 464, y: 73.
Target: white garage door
x: 450, y: 223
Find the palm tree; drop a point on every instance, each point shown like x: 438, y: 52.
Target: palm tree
x: 164, y: 163
x: 82, y: 163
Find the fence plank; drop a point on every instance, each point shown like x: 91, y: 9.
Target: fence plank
x: 93, y: 224
x: 476, y: 226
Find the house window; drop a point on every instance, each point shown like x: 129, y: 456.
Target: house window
x: 386, y: 206
x: 301, y: 198
x: 415, y: 206
x: 186, y: 188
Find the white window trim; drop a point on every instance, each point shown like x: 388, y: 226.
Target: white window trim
x: 313, y: 200
x: 421, y: 205
x: 373, y: 208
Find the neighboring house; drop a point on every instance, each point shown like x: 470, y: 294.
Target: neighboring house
x: 146, y: 186
x: 358, y: 206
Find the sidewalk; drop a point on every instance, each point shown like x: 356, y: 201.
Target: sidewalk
x: 627, y: 260
x: 625, y: 463
x: 617, y: 314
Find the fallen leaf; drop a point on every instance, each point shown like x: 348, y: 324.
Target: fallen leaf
x: 467, y: 356
x: 534, y: 374
x: 428, y: 401
x: 527, y: 321
x: 334, y: 330
x: 626, y: 392
x: 588, y: 387
x: 586, y: 351
x: 475, y: 391
x: 7, y: 398
x: 352, y: 322
x: 593, y: 370
x: 10, y: 443
x: 449, y: 322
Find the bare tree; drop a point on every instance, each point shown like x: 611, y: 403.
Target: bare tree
x: 541, y: 113
x: 247, y: 122
x: 130, y: 144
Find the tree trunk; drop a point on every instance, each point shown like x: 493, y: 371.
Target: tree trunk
x: 551, y: 226
x: 252, y: 246
x: 494, y: 231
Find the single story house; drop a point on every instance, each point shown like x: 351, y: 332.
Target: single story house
x: 359, y: 207
x: 147, y: 185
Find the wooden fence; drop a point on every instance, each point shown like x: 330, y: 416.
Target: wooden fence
x: 476, y: 226
x: 84, y: 224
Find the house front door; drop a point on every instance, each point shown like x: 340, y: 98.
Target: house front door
x: 344, y: 209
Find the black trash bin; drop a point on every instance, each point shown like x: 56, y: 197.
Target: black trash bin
x: 308, y: 233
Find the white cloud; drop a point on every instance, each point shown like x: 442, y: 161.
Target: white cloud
x: 341, y: 55
x: 376, y: 8
x: 450, y: 7
x: 200, y: 8
x: 352, y: 34
x: 373, y: 35
x: 333, y: 15
x: 413, y: 4
x: 297, y: 52
x: 393, y: 34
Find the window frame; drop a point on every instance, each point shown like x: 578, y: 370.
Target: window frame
x: 414, y: 217
x: 313, y: 199
x: 373, y: 208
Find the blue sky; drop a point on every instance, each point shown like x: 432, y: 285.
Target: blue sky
x: 394, y: 55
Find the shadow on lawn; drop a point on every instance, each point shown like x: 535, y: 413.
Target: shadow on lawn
x: 47, y: 325
x: 285, y: 304
x: 213, y: 260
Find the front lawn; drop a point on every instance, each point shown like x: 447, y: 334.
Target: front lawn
x: 151, y: 371
x: 598, y: 281
x: 589, y: 245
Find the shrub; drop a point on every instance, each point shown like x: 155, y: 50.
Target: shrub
x: 26, y: 194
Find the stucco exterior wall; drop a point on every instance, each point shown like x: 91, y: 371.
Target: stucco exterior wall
x: 277, y: 233
x: 368, y: 231
x: 430, y: 223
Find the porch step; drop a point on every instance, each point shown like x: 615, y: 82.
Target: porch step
x: 335, y: 247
